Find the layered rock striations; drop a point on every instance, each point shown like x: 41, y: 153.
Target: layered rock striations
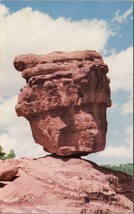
x: 65, y: 100
x: 64, y: 185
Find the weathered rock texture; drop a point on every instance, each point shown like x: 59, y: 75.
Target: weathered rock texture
x: 65, y: 185
x: 7, y: 172
x: 65, y: 100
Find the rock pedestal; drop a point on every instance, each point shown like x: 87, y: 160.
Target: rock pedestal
x: 65, y: 185
x: 65, y: 100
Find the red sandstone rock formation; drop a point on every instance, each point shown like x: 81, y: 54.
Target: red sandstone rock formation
x: 65, y: 100
x: 65, y: 185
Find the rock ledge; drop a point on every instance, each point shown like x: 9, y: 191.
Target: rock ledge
x: 65, y: 185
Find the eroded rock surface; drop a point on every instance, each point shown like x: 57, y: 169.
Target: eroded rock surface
x: 65, y: 185
x: 65, y: 100
x: 7, y: 171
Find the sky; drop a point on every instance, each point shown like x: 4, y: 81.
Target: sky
x: 41, y: 27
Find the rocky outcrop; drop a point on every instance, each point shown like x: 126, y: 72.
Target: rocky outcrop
x: 7, y: 171
x: 65, y: 100
x: 65, y: 185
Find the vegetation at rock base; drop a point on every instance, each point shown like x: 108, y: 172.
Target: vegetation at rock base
x: 4, y: 156
x: 127, y: 168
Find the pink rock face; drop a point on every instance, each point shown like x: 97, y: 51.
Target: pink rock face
x: 65, y: 100
x: 65, y: 185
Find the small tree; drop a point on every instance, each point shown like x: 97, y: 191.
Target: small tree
x: 11, y: 154
x: 4, y: 156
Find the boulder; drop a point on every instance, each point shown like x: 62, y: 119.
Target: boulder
x: 7, y: 171
x: 65, y: 100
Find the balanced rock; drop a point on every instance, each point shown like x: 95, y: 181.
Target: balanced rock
x: 65, y: 100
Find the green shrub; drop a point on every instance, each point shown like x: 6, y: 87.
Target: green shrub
x: 127, y: 168
x: 4, y: 156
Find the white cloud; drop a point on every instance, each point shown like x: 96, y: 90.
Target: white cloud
x: 124, y: 152
x: 121, y: 75
x: 117, y: 152
x: 114, y: 107
x: 127, y: 108
x: 21, y: 146
x: 3, y: 11
x: 123, y: 17
x: 121, y: 70
x: 17, y: 134
x: 28, y: 31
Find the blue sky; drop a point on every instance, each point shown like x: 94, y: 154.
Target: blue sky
x: 77, y: 10
x: 41, y: 27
